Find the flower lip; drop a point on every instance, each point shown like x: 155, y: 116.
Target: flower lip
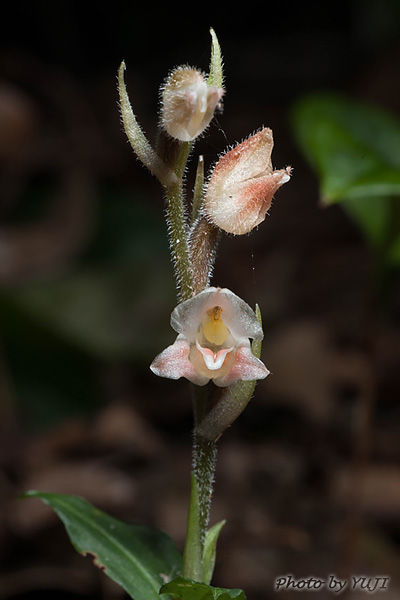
x: 213, y: 360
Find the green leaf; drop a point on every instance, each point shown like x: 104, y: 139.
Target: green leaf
x: 210, y: 550
x: 136, y: 557
x: 354, y: 148
x: 186, y: 589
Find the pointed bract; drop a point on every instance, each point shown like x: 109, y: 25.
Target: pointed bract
x: 141, y: 146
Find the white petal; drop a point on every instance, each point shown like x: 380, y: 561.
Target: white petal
x: 238, y: 316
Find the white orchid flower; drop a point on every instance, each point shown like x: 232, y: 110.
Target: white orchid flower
x: 213, y: 329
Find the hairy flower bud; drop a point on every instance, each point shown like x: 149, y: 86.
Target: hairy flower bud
x: 242, y: 185
x: 188, y: 104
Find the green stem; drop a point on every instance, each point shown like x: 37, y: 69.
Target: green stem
x: 178, y: 228
x: 192, y: 554
x: 204, y: 461
x: 178, y: 239
x: 182, y: 159
x: 204, y: 451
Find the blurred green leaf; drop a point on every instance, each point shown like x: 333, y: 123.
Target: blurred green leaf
x: 134, y: 556
x: 113, y: 303
x: 111, y: 312
x: 372, y: 214
x: 186, y: 589
x: 51, y: 380
x: 394, y: 253
x: 354, y: 148
x: 110, y: 303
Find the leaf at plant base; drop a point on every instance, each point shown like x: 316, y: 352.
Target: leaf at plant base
x: 210, y: 550
x: 186, y: 589
x: 354, y: 148
x: 134, y: 556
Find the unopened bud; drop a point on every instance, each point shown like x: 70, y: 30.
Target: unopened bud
x: 242, y: 185
x: 188, y: 104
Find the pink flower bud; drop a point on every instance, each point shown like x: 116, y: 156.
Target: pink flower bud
x: 188, y: 104
x: 214, y: 328
x: 242, y: 185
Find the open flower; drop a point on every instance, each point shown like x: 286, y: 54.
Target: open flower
x: 213, y: 329
x: 188, y: 104
x: 242, y: 185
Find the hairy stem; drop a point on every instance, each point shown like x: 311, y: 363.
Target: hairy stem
x: 178, y: 239
x: 193, y: 551
x: 178, y: 228
x: 204, y: 461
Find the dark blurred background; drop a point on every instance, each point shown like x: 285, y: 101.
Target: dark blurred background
x: 86, y: 290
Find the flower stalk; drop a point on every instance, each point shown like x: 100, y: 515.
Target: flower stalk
x: 204, y: 457
x: 204, y: 463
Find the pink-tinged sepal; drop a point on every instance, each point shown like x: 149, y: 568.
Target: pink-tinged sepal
x: 174, y: 363
x: 246, y: 368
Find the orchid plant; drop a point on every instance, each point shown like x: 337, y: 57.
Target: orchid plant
x: 212, y: 350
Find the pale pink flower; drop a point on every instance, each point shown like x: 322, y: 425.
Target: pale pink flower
x: 213, y: 329
x: 188, y: 104
x: 242, y: 185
